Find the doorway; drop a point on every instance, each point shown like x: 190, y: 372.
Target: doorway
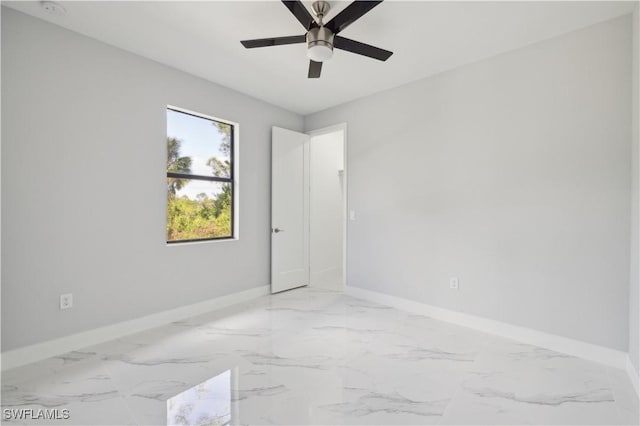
x: 327, y: 208
x: 308, y: 208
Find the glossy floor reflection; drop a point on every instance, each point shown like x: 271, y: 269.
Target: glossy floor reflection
x: 318, y: 357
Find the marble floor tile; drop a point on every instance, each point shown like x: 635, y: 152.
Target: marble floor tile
x: 626, y: 399
x: 316, y: 356
x: 85, y: 389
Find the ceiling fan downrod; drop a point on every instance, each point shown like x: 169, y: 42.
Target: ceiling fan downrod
x: 320, y: 39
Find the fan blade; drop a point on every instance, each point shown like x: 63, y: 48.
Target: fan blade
x: 314, y: 69
x: 361, y: 48
x: 301, y: 13
x: 274, y: 41
x: 351, y: 13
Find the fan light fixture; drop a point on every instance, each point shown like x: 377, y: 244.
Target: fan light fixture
x: 319, y: 44
x: 320, y: 53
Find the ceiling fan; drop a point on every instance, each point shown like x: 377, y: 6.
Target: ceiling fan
x: 321, y: 38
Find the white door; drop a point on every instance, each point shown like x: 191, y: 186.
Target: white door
x: 289, y: 209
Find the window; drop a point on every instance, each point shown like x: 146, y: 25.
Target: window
x: 200, y: 177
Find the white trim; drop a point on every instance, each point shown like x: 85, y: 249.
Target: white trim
x: 329, y: 129
x: 40, y: 351
x: 601, y: 354
x: 201, y: 115
x: 633, y: 375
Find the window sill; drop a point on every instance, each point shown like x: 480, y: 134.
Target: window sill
x: 189, y: 243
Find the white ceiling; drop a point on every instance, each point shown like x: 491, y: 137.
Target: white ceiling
x: 203, y: 39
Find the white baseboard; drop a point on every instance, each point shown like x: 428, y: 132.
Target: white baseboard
x: 633, y: 376
x: 601, y: 354
x: 28, y: 354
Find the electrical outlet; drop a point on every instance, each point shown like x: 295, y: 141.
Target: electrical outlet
x: 453, y: 283
x: 352, y: 215
x: 66, y: 301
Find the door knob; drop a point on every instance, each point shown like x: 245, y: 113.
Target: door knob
x: 276, y: 230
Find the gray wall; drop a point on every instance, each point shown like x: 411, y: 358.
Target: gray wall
x: 512, y: 174
x: 83, y: 185
x: 634, y: 319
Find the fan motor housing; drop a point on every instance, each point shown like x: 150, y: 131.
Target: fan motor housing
x: 320, y: 44
x: 320, y: 36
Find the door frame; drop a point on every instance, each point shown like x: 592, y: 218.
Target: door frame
x: 345, y: 206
